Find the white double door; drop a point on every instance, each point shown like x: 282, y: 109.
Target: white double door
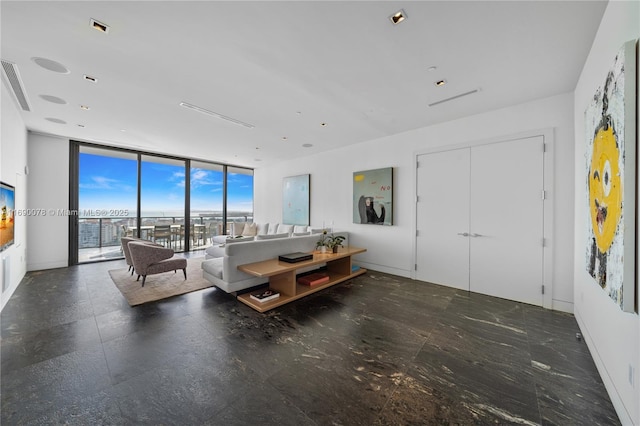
x: 480, y: 219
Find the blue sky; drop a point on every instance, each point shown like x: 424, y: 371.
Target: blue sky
x: 110, y: 183
x: 7, y: 198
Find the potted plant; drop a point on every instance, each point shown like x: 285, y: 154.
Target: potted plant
x: 333, y: 242
x: 321, y: 244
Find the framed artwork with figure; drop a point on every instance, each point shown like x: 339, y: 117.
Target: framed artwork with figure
x: 373, y: 197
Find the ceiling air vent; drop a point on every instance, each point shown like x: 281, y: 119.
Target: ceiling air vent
x: 454, y: 97
x: 11, y: 74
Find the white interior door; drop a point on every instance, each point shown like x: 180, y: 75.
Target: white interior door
x: 506, y: 220
x: 442, y: 253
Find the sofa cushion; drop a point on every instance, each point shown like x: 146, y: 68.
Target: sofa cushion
x: 300, y: 234
x: 214, y: 266
x: 216, y: 250
x: 262, y: 228
x: 284, y: 229
x: 317, y: 230
x: 272, y: 236
x: 250, y: 230
x: 239, y: 239
x: 300, y: 228
x: 273, y: 228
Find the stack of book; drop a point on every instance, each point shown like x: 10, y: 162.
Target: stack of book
x: 314, y: 279
x: 265, y: 295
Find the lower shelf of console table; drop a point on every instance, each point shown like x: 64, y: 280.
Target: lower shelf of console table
x: 282, y: 276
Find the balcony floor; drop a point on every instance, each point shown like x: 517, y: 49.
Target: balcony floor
x: 96, y: 254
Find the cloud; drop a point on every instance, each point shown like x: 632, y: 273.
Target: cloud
x: 102, y: 182
x: 201, y: 177
x: 199, y: 174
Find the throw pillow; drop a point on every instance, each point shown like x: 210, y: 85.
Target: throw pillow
x: 273, y: 228
x: 300, y: 228
x: 250, y: 230
x: 262, y: 228
x: 284, y: 228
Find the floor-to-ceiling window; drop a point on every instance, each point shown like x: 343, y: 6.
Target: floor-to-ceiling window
x: 107, y: 201
x: 239, y: 198
x: 177, y: 202
x: 162, y: 200
x: 206, y: 181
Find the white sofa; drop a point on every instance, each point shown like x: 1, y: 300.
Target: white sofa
x: 253, y: 229
x: 223, y: 271
x: 257, y: 232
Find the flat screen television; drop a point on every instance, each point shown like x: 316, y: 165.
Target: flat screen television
x: 7, y: 215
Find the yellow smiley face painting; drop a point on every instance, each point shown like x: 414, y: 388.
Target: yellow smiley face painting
x: 610, y: 190
x: 605, y: 188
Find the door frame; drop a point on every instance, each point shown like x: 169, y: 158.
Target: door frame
x: 548, y: 205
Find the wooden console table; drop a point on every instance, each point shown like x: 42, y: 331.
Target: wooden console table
x: 282, y: 276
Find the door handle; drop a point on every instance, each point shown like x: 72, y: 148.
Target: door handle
x: 474, y: 235
x: 464, y: 234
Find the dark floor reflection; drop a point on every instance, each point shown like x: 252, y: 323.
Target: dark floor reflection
x: 379, y: 349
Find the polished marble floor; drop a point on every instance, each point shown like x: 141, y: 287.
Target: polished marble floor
x: 377, y: 350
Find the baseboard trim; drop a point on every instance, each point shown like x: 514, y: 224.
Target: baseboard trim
x: 46, y: 265
x: 382, y: 268
x: 560, y: 305
x: 621, y: 410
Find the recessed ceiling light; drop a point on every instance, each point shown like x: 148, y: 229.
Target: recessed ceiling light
x: 53, y: 99
x: 85, y: 107
x: 440, y: 83
x: 50, y: 65
x: 284, y: 138
x: 323, y: 124
x: 97, y: 25
x: 80, y: 125
x: 91, y: 79
x: 55, y: 120
x: 432, y: 68
x: 398, y: 17
x: 307, y: 145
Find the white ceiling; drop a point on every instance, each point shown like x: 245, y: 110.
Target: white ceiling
x: 286, y: 68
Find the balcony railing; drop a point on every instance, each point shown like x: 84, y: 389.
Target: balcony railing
x: 106, y: 232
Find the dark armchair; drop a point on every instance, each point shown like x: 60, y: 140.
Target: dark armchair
x: 151, y: 259
x: 125, y: 248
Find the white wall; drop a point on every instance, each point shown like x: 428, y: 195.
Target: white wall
x: 13, y: 158
x: 48, y: 191
x: 612, y: 335
x: 390, y: 248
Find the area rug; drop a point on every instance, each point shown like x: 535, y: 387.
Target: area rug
x: 160, y: 286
